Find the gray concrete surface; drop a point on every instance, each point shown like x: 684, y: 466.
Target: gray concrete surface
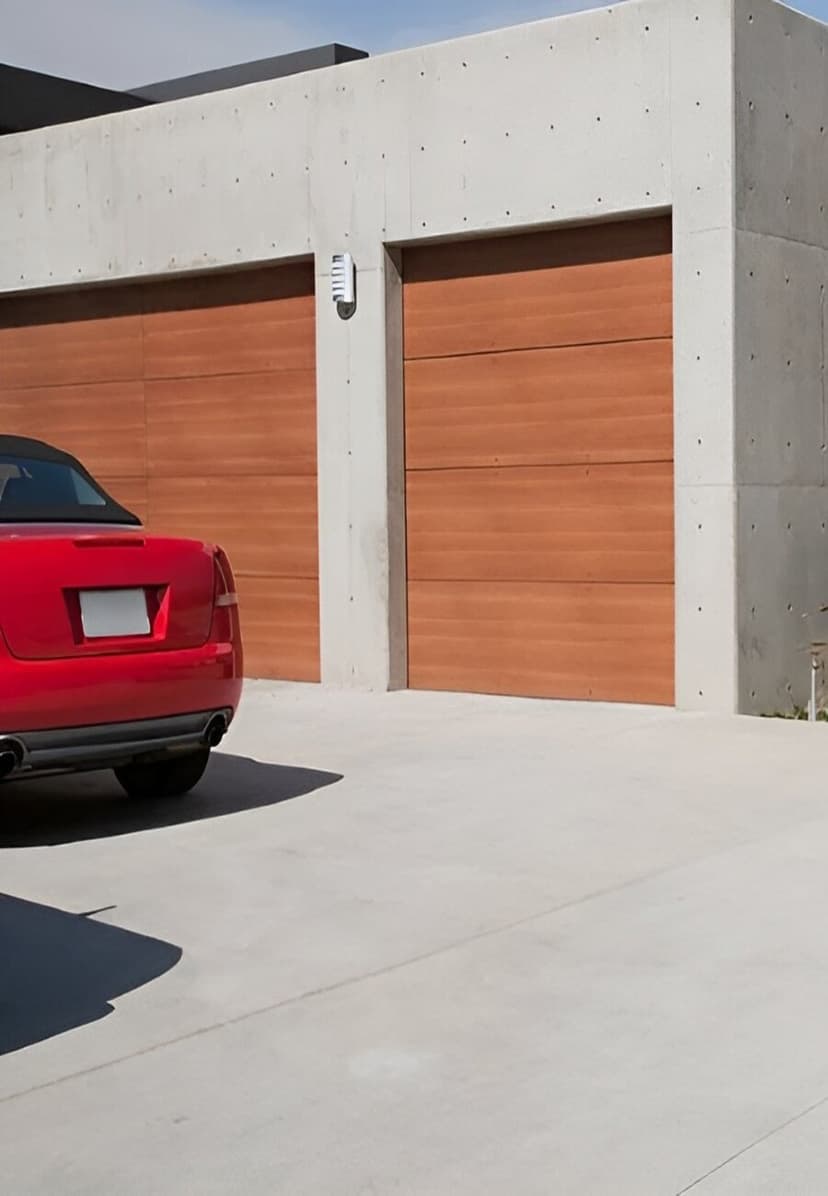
x: 779, y: 341
x: 518, y: 947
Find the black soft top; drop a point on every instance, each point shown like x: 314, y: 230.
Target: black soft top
x: 35, y: 450
x: 23, y: 448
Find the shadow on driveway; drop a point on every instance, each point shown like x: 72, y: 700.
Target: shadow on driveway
x: 71, y: 809
x: 61, y: 970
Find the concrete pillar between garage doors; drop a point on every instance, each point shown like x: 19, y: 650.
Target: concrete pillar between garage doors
x: 361, y: 480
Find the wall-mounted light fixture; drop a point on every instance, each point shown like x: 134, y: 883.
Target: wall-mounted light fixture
x: 343, y: 284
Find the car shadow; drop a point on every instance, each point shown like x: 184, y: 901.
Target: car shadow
x: 61, y: 810
x: 62, y: 970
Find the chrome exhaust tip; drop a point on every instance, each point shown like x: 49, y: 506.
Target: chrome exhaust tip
x: 11, y: 757
x: 215, y: 730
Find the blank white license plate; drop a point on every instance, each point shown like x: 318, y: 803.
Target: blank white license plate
x: 107, y: 613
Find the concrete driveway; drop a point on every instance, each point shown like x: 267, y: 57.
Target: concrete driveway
x: 426, y: 944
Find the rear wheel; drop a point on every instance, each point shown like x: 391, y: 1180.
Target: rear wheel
x: 164, y: 778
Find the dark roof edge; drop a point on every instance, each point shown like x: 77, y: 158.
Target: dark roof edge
x: 260, y: 71
x: 31, y: 99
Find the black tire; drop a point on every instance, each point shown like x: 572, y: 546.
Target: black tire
x: 164, y: 778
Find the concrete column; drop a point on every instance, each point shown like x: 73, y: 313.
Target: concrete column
x: 361, y: 479
x: 701, y: 105
x: 781, y: 333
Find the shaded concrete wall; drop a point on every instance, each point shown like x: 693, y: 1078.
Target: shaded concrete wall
x: 781, y: 264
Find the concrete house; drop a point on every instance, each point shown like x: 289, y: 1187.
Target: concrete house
x: 572, y: 440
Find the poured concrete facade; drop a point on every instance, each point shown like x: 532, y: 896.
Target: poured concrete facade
x: 713, y: 109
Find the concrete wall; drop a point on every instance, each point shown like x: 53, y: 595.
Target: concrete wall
x: 781, y: 266
x: 701, y: 91
x: 559, y: 120
x: 622, y: 111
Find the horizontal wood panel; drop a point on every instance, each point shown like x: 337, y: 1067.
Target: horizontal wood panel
x: 70, y: 306
x: 549, y: 406
x: 576, y: 641
x: 229, y: 288
x: 267, y: 525
x: 613, y: 240
x: 275, y: 334
x: 236, y: 424
x: 100, y: 423
x: 106, y: 349
x: 551, y: 523
x: 603, y: 301
x: 280, y: 627
x: 581, y: 286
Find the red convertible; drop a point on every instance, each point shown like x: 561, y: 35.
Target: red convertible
x: 118, y: 649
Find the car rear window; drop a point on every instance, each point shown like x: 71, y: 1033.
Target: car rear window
x: 34, y: 490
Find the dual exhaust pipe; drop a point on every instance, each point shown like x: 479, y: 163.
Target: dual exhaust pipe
x: 13, y: 753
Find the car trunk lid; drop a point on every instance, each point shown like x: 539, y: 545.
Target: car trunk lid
x: 80, y: 591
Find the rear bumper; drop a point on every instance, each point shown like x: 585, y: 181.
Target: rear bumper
x: 109, y: 745
x: 36, y: 695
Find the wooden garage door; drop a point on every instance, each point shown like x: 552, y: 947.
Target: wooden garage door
x: 539, y: 474
x: 195, y: 402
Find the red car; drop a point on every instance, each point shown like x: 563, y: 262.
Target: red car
x: 118, y: 649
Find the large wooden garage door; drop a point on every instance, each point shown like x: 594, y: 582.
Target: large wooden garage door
x: 194, y: 401
x: 539, y: 475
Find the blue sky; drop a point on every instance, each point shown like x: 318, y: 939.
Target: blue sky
x: 123, y: 43
x: 384, y: 24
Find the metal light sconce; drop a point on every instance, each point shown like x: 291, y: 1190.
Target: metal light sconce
x: 343, y: 285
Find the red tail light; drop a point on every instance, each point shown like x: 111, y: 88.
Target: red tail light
x: 225, y: 586
x: 225, y: 601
